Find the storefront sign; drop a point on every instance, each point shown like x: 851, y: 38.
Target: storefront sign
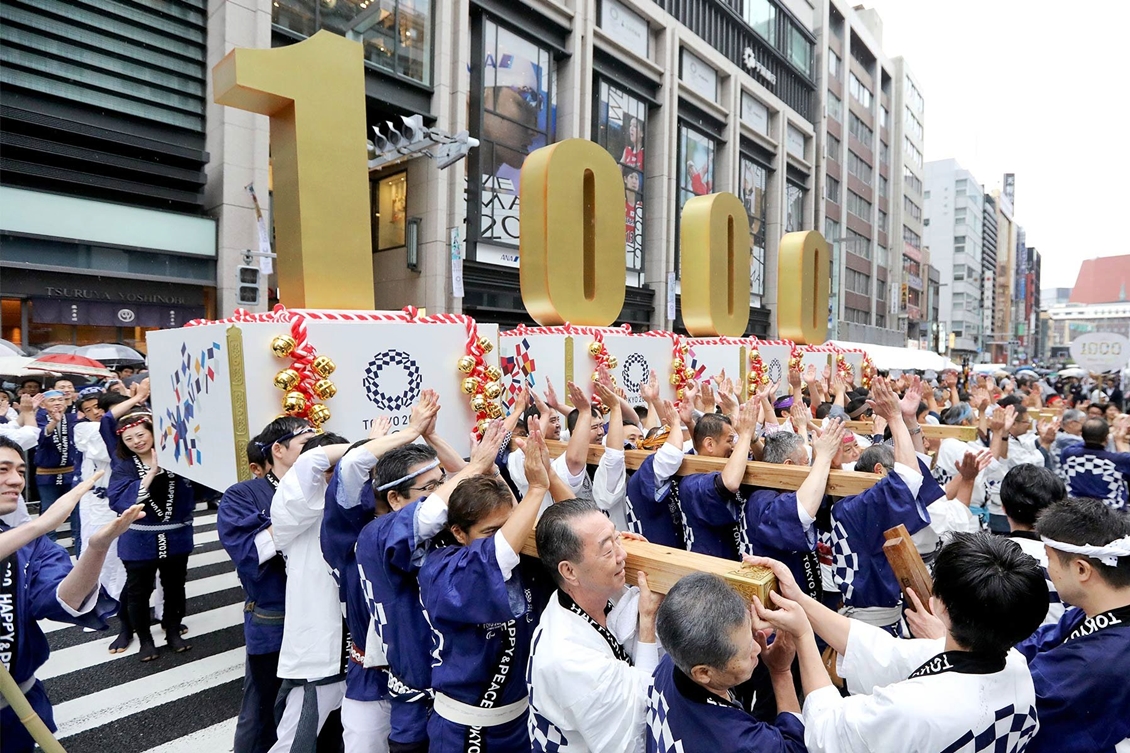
x: 794, y: 141
x: 625, y: 26
x: 106, y: 313
x: 699, y: 76
x: 755, y: 114
x: 749, y: 59
x: 1100, y: 351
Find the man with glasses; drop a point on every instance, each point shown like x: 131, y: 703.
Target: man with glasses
x: 243, y: 523
x: 1013, y: 443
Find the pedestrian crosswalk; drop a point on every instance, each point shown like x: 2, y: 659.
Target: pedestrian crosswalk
x: 180, y: 703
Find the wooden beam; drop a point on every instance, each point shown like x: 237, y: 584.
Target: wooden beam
x: 664, y: 566
x: 929, y: 431
x: 764, y: 475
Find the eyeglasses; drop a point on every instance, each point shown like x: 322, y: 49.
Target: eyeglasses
x: 431, y: 486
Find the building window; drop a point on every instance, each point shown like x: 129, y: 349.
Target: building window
x: 800, y: 50
x: 912, y: 181
x: 859, y: 206
x: 959, y: 272
x: 912, y: 124
x: 857, y: 316
x: 884, y: 153
x: 912, y: 153
x: 860, y: 130
x: 857, y: 282
x: 696, y: 168
x: 833, y: 64
x: 911, y: 238
x: 833, y: 148
x: 397, y: 38
x: 959, y: 187
x: 858, y: 167
x: 859, y: 91
x: 883, y: 222
x: 883, y: 260
x: 884, y: 186
x: 959, y: 216
x: 761, y: 15
x: 755, y: 181
x: 518, y: 115
x: 831, y: 231
x: 913, y: 96
x: 883, y: 116
x: 835, y: 108
x: 832, y: 190
x: 621, y: 129
x: 880, y: 318
x: 794, y: 200
x: 911, y: 208
x: 858, y: 244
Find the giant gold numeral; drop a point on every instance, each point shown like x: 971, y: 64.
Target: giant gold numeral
x: 804, y: 266
x: 714, y: 236
x: 572, y: 235
x: 314, y: 93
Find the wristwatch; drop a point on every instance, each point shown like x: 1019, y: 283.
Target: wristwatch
x: 915, y: 430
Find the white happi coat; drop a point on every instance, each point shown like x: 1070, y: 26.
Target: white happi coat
x: 94, y: 507
x: 312, y: 647
x: 582, y: 698
x: 610, y: 487
x: 951, y: 712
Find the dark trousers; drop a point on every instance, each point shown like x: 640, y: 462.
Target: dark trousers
x: 140, y: 580
x: 255, y: 729
x: 49, y: 491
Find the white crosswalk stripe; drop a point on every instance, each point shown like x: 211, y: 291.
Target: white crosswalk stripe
x: 180, y: 703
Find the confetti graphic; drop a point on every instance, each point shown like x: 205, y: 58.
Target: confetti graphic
x: 192, y: 379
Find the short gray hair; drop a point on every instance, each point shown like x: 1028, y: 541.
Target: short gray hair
x: 556, y: 539
x: 781, y: 446
x: 882, y: 454
x: 1073, y: 415
x: 695, y: 620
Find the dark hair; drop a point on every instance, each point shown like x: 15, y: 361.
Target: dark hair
x: 396, y: 464
x: 1095, y: 431
x: 557, y: 541
x: 574, y: 415
x: 122, y: 451
x: 823, y: 410
x: 275, y: 431
x: 95, y: 396
x: 855, y: 404
x: 641, y: 411
x: 1027, y: 490
x: 1081, y: 521
x: 255, y: 453
x: 995, y: 594
x: 324, y: 439
x: 108, y: 400
x: 8, y: 443
x: 1008, y: 400
x: 696, y: 618
x: 876, y: 454
x: 474, y: 499
x: 922, y: 408
x: 710, y: 426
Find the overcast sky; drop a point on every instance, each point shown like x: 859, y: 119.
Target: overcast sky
x: 1018, y: 86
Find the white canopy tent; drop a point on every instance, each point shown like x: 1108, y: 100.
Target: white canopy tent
x: 886, y: 357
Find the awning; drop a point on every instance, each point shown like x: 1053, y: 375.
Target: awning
x: 886, y: 357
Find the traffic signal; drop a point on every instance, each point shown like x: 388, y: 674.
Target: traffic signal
x: 248, y: 288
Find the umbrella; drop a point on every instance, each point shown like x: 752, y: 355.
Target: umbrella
x: 10, y: 349
x: 59, y: 349
x: 16, y: 366
x: 63, y: 363
x: 110, y: 352
x: 1073, y: 372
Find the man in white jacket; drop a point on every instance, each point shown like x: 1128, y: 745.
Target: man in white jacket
x: 595, y: 650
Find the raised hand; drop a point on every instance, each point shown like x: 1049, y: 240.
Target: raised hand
x: 801, y: 418
x: 580, y: 402
x: 778, y: 655
x: 972, y: 463
x: 786, y: 581
x: 1048, y: 430
x: 381, y: 427
x: 883, y: 401
x: 486, y: 449
x: 828, y: 443
x: 912, y: 399
x: 746, y: 420
x: 536, y: 464
x: 727, y: 401
x: 810, y: 375
x: 788, y: 617
x: 706, y: 401
x: 649, y: 391
x: 606, y: 394
x: 922, y: 623
x: 690, y: 393
x: 1009, y: 418
x: 423, y: 412
x: 795, y: 380
x: 105, y: 535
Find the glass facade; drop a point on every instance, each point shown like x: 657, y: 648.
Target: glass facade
x: 621, y: 128
x: 754, y: 182
x: 696, y: 168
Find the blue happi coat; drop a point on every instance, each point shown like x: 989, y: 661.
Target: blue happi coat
x: 1081, y: 670
x: 342, y: 523
x: 654, y: 512
x: 1093, y: 472
x: 29, y: 583
x: 684, y: 717
x: 713, y: 516
x: 773, y: 528
x: 389, y: 555
x: 57, y: 449
x: 245, y: 511
x: 482, y: 626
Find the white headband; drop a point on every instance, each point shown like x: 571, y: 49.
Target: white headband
x: 1107, y: 554
x: 409, y: 477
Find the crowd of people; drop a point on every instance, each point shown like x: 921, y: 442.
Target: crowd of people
x: 392, y: 603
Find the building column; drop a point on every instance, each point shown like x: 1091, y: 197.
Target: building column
x: 238, y: 144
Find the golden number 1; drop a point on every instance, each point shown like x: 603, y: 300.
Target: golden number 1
x: 804, y: 272
x: 314, y: 93
x: 714, y: 235
x: 572, y: 235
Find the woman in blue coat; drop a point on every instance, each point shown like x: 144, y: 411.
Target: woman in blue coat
x: 159, y: 543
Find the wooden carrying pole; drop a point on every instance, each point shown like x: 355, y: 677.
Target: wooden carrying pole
x: 26, y: 714
x: 907, y: 565
x: 929, y: 431
x: 764, y: 475
x: 664, y: 566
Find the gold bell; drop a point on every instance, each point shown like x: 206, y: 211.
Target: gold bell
x: 466, y: 364
x: 486, y: 344
x: 754, y: 356
x: 684, y: 348
x: 494, y: 410
x: 493, y: 373
x: 677, y: 364
x: 478, y: 403
x: 482, y: 425
x: 595, y: 347
x: 605, y: 409
x: 283, y: 345
x: 325, y: 389
x: 319, y: 414
x: 612, y: 362
x: 470, y: 385
x: 492, y: 390
x: 764, y: 381
x: 679, y: 394
x: 596, y: 376
x: 676, y: 377
x: 688, y: 373
x: 323, y: 366
x: 287, y: 379
x: 294, y: 403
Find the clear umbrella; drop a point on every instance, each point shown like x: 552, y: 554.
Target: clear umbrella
x: 9, y: 348
x: 110, y: 352
x: 67, y: 349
